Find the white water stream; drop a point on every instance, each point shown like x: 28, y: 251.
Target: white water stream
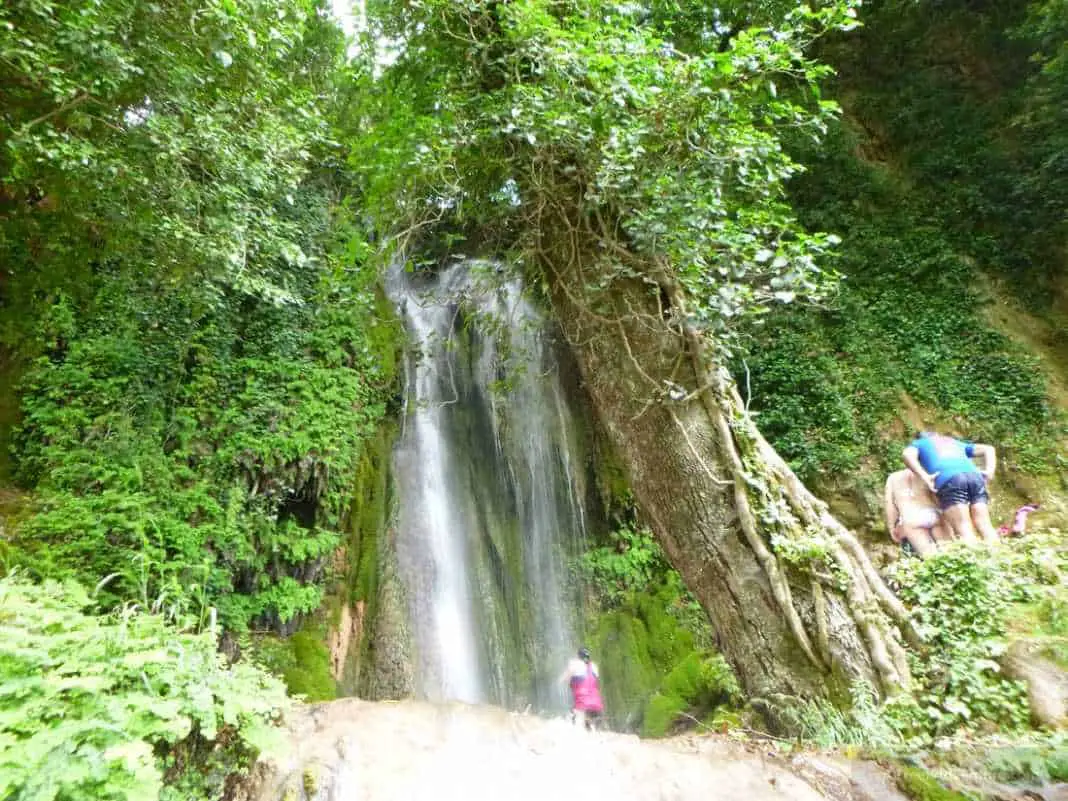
x: 489, y: 475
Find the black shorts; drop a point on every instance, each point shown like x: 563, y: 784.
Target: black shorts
x: 963, y: 489
x: 594, y: 718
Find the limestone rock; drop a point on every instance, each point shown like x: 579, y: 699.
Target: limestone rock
x: 1047, y: 682
x: 355, y: 750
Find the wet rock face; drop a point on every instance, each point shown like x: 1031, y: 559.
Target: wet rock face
x: 1047, y: 683
x: 354, y: 750
x: 348, y: 630
x: 392, y: 669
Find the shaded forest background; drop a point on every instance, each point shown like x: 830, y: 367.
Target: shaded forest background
x: 943, y: 180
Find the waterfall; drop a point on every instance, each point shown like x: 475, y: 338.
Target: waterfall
x: 490, y: 476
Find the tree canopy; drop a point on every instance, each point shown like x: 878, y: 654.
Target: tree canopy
x: 184, y: 298
x: 669, y: 139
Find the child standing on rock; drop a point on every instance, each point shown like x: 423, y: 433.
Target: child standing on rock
x: 581, y: 675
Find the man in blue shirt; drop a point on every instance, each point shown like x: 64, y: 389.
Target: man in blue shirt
x: 945, y: 465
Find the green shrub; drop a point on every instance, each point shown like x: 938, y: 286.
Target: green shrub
x: 104, y: 708
x: 963, y: 599
x: 631, y: 561
x: 694, y: 689
x: 920, y: 785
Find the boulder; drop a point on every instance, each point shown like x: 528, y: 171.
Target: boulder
x: 1047, y: 682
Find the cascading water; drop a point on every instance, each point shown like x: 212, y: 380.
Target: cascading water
x: 491, y: 489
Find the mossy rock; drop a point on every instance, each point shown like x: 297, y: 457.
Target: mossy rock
x: 920, y: 785
x: 310, y: 674
x: 629, y: 677
x: 310, y: 780
x: 699, y: 685
x: 302, y: 661
x: 652, y: 670
x: 661, y: 713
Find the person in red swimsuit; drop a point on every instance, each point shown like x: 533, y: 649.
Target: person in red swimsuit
x: 587, y: 706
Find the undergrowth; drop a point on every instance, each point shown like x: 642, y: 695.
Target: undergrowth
x: 961, y: 600
x: 653, y: 640
x: 820, y: 723
x: 963, y: 711
x: 111, y: 707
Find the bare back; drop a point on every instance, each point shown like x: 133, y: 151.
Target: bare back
x: 912, y: 513
x: 909, y: 493
x: 909, y: 504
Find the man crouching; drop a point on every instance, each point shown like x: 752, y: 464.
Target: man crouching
x: 944, y: 465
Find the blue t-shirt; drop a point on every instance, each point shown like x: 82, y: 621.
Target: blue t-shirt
x: 946, y: 456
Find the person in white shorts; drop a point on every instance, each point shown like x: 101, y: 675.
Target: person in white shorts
x: 912, y: 514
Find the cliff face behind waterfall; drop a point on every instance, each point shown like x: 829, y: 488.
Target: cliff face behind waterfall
x: 491, y: 477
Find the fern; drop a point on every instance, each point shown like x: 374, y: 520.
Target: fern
x: 96, y: 708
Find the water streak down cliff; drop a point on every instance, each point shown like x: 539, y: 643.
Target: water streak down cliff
x: 490, y: 480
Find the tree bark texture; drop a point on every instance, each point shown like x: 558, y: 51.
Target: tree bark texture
x: 724, y: 506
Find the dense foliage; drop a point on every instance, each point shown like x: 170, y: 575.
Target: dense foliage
x: 166, y: 137
x: 198, y: 343
x: 669, y: 146
x: 201, y: 450
x: 105, y: 708
x: 909, y: 338
x: 943, y: 184
x: 630, y: 561
x: 962, y: 599
x: 198, y: 352
x: 973, y: 605
x: 1044, y: 116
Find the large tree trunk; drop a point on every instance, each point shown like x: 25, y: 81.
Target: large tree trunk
x: 797, y: 608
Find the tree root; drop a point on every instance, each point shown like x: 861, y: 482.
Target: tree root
x: 779, y: 586
x: 867, y: 595
x: 823, y: 640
